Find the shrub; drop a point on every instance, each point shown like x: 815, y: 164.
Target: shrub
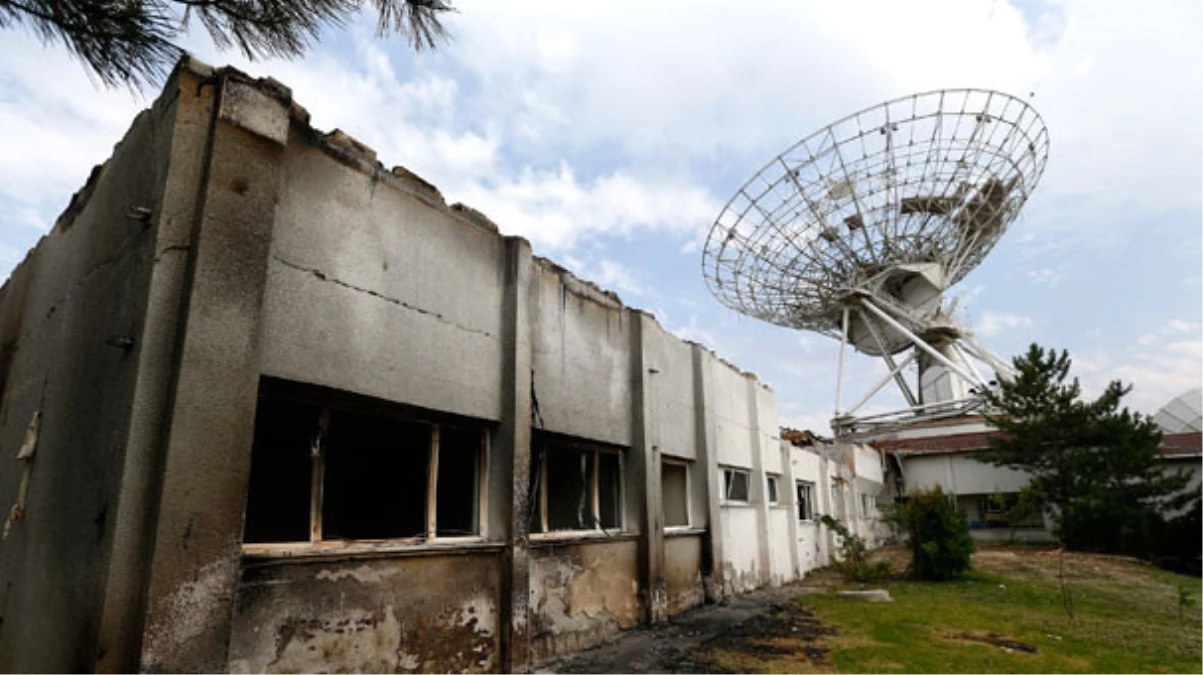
x: 936, y: 531
x: 854, y: 565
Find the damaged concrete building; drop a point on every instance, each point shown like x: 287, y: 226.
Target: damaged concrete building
x: 277, y: 408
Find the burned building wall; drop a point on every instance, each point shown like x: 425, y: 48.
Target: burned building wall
x: 371, y: 289
x: 582, y: 593
x: 384, y: 614
x: 278, y: 267
x: 581, y: 358
x: 74, y: 331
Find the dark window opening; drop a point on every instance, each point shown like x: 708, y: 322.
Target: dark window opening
x: 674, y: 494
x: 358, y: 471
x: 805, y: 493
x: 458, y: 488
x: 609, y: 490
x: 375, y: 478
x: 278, y: 496
x: 579, y: 488
x: 772, y: 488
x: 569, y: 483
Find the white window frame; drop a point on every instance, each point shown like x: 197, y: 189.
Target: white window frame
x: 868, y: 506
x: 688, y: 492
x: 772, y: 489
x: 810, y: 501
x: 726, y: 485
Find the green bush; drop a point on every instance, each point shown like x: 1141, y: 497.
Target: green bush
x: 854, y: 563
x: 937, y: 534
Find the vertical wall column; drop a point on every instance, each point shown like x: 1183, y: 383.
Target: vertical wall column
x: 712, y: 544
x: 757, y: 490
x: 510, y: 481
x: 645, y: 460
x: 787, y: 476
x: 124, y: 594
x: 210, y: 419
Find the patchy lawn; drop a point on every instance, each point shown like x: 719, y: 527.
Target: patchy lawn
x: 1006, y: 616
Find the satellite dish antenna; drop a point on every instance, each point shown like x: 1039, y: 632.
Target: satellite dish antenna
x: 857, y: 231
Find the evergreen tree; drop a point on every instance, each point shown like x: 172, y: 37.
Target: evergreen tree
x: 132, y: 42
x: 1095, y: 466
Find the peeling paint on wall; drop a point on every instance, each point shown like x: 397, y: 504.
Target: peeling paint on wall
x: 581, y: 594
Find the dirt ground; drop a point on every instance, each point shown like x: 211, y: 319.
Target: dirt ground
x: 694, y: 641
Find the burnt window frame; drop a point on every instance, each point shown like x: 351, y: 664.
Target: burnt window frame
x: 547, y: 444
x: 330, y: 402
x: 687, y: 467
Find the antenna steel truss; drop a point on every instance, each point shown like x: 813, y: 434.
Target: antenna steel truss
x: 856, y: 231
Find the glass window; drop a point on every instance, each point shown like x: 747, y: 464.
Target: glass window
x: 735, y: 485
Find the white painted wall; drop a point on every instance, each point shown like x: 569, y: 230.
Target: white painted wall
x: 961, y: 474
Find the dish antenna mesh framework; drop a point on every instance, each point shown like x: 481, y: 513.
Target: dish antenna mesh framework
x: 857, y: 230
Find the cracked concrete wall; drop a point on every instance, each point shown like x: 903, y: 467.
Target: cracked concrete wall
x: 383, y: 615
x: 371, y: 290
x: 72, y: 317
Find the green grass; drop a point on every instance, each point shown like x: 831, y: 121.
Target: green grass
x: 1126, y: 621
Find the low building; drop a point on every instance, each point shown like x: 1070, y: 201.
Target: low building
x: 278, y: 408
x: 944, y: 453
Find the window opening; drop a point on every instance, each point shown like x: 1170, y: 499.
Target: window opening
x: 735, y: 485
x: 580, y: 488
x: 459, y: 479
x: 868, y: 505
x: 376, y: 473
x: 278, y: 495
x: 609, y: 489
x: 674, y: 494
x: 772, y: 489
x: 320, y: 474
x: 805, y: 494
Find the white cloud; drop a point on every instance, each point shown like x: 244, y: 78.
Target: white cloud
x: 1049, y: 278
x: 992, y: 323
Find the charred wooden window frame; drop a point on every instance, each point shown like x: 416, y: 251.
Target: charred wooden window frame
x: 688, y: 466
x: 548, y: 442
x: 724, y: 470
x: 331, y: 401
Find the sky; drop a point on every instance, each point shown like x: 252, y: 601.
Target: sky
x: 611, y: 134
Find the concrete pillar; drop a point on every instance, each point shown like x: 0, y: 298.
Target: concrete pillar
x: 120, y: 631
x: 707, y: 462
x: 645, y: 461
x: 194, y: 567
x: 509, y: 512
x: 791, y: 497
x: 758, y: 493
